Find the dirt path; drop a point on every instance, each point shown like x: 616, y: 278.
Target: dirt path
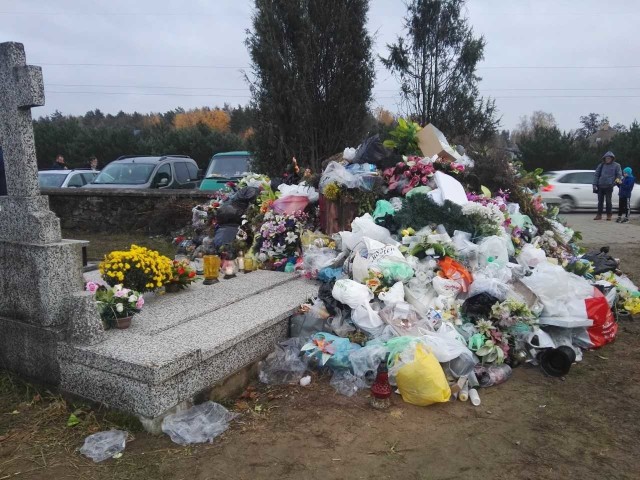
x: 532, y: 427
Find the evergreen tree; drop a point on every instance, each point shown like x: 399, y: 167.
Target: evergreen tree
x: 436, y: 66
x: 313, y: 77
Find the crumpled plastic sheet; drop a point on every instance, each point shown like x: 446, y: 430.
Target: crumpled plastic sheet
x: 103, y: 445
x: 345, y: 383
x: 365, y: 361
x: 284, y: 365
x: 201, y: 423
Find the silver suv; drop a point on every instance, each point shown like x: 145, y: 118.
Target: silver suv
x: 139, y: 171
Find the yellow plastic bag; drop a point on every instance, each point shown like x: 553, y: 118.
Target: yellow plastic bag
x: 422, y: 382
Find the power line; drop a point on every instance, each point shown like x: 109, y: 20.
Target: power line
x: 246, y: 89
x: 502, y: 67
x: 148, y: 94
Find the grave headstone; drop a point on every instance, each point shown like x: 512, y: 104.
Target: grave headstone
x: 41, y: 287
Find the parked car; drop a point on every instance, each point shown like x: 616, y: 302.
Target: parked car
x: 65, y: 178
x: 139, y: 171
x: 225, y: 167
x: 574, y: 188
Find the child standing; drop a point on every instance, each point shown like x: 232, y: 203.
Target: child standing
x: 624, y: 192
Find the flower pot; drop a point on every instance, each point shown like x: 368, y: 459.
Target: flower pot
x: 172, y: 288
x: 124, y: 322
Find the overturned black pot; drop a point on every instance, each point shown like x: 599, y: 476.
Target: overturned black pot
x: 556, y: 362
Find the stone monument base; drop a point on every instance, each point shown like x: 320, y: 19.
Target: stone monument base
x: 182, y: 344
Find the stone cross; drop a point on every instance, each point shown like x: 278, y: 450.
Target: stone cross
x: 24, y: 213
x: 21, y: 88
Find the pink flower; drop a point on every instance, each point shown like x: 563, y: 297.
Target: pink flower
x: 120, y: 294
x: 140, y: 303
x: 91, y: 287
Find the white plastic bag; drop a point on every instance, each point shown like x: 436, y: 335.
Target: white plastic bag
x: 201, y: 423
x: 394, y: 295
x: 493, y: 249
x: 103, y: 445
x: 368, y: 254
x: 559, y: 291
x: 446, y: 343
x: 450, y: 188
x: 299, y: 190
x: 365, y: 226
x: 531, y: 256
x: 357, y: 296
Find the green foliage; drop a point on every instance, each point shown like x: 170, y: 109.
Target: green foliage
x: 435, y: 62
x: 404, y: 138
x: 313, y: 79
x: 419, y: 211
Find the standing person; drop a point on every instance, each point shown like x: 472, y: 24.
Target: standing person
x: 606, y: 176
x: 624, y: 192
x: 93, y: 163
x: 59, y: 164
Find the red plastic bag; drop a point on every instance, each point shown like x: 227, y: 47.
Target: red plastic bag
x: 604, y: 328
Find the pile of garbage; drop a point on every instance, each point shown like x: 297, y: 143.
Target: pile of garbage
x: 444, y: 289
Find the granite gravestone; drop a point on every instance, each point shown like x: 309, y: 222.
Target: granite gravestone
x: 41, y: 287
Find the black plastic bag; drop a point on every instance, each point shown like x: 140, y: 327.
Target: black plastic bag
x: 478, y: 307
x: 245, y: 196
x: 331, y: 304
x: 225, y: 235
x: 373, y: 151
x: 229, y: 213
x: 602, y: 261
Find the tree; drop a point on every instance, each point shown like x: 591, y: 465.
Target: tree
x: 591, y: 124
x: 216, y: 119
x: 436, y: 67
x: 528, y: 124
x: 313, y: 77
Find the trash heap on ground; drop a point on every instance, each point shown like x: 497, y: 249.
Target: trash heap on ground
x: 437, y: 271
x: 445, y: 284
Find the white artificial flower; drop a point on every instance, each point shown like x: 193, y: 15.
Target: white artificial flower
x: 133, y: 298
x: 349, y: 153
x: 291, y: 237
x: 117, y: 288
x: 119, y: 308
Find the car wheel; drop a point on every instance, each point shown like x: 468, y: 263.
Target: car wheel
x: 567, y: 205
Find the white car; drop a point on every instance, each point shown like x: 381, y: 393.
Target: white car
x: 574, y: 188
x: 65, y: 178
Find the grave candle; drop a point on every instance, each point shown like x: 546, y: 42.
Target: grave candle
x: 211, y: 269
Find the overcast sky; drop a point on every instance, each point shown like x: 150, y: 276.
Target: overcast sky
x: 564, y: 57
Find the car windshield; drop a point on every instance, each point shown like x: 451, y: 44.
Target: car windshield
x: 125, y: 173
x: 228, y: 167
x: 51, y: 180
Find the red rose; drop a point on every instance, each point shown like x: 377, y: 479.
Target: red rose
x: 192, y: 274
x: 181, y: 271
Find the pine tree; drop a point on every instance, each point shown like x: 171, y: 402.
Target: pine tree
x: 436, y: 66
x: 313, y: 75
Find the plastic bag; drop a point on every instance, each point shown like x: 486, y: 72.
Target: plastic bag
x: 315, y: 259
x: 284, y: 365
x: 102, y: 445
x: 345, y: 383
x: 446, y: 343
x: 558, y: 290
x: 299, y: 190
x: 405, y: 320
x: 422, y: 381
x: 229, y: 213
x: 383, y: 208
x: 368, y: 254
x: 340, y: 325
x: 201, y: 423
x: 225, y: 234
x: 373, y: 151
x: 492, y: 249
x: 306, y: 324
x: 364, y: 362
x: 364, y: 226
x: 336, y: 172
x: 357, y: 296
x: 531, y: 256
x: 394, y: 295
x: 245, y: 197
x: 334, y: 352
x: 395, y: 270
x: 455, y: 271
x: 478, y: 307
x: 605, y: 328
x: 290, y: 204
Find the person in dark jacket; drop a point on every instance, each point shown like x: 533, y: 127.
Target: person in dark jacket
x: 607, y: 174
x: 59, y: 164
x: 624, y: 192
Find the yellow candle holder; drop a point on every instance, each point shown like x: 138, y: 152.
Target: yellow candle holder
x: 211, y: 269
x: 249, y: 265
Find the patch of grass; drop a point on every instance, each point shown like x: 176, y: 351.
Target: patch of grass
x: 103, y: 243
